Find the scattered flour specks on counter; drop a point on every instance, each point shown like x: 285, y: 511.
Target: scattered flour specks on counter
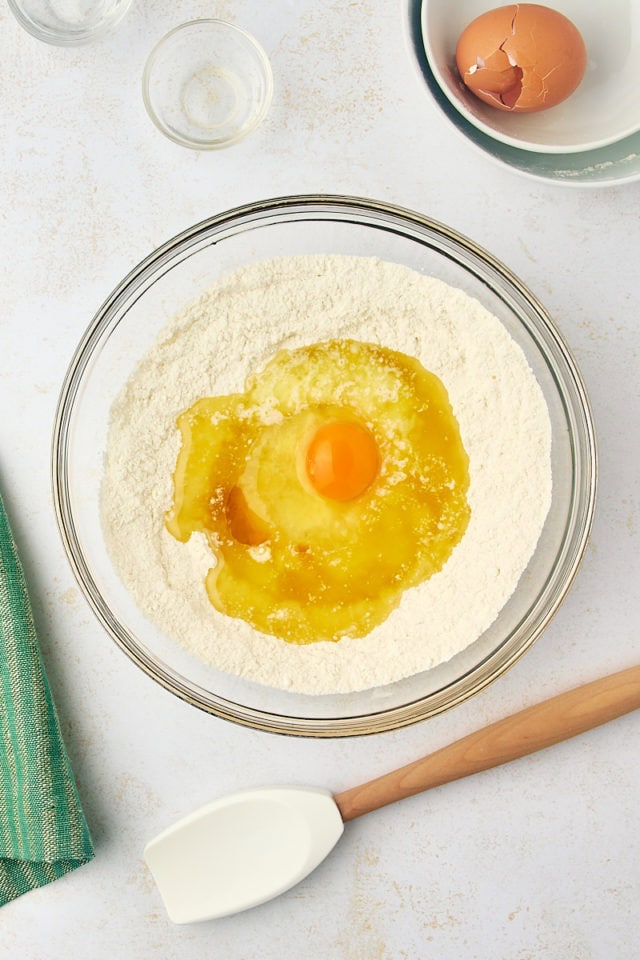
x: 233, y: 330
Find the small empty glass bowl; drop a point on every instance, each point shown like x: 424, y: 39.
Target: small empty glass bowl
x: 68, y: 23
x: 207, y: 84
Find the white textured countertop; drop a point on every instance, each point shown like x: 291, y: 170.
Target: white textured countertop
x: 538, y: 859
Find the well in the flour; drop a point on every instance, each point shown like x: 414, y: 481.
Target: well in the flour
x: 344, y: 460
x: 239, y: 326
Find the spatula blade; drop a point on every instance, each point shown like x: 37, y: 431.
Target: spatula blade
x: 242, y: 850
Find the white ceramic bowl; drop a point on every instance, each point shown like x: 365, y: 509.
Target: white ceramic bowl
x: 603, y: 110
x: 610, y: 166
x: 128, y: 324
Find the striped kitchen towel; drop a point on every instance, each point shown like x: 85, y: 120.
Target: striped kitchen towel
x: 43, y: 832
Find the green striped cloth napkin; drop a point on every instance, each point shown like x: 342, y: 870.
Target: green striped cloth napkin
x: 43, y: 832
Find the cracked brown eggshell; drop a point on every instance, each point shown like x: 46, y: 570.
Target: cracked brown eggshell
x: 521, y: 58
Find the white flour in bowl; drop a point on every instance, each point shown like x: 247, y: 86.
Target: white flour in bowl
x: 233, y: 330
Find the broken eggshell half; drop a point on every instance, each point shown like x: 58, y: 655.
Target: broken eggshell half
x: 603, y: 109
x: 522, y: 57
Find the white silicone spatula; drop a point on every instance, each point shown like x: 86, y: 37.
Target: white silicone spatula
x: 251, y: 846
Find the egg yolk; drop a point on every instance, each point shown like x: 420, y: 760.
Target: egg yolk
x: 342, y: 460
x: 334, y: 482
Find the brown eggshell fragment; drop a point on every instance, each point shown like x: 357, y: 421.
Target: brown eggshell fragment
x: 522, y: 58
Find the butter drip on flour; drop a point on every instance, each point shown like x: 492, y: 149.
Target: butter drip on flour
x: 237, y: 327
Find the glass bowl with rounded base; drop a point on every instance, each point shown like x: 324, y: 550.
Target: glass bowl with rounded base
x: 176, y: 274
x: 69, y: 23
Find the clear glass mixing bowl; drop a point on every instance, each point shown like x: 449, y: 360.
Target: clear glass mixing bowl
x: 127, y: 325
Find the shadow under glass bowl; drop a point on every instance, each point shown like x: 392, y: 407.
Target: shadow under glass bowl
x: 128, y: 324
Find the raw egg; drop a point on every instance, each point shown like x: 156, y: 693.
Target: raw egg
x: 522, y: 58
x: 342, y: 460
x: 336, y: 481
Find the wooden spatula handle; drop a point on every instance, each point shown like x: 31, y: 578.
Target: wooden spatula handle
x: 525, y: 732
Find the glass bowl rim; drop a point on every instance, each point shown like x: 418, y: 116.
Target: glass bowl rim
x: 466, y: 685
x: 74, y: 38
